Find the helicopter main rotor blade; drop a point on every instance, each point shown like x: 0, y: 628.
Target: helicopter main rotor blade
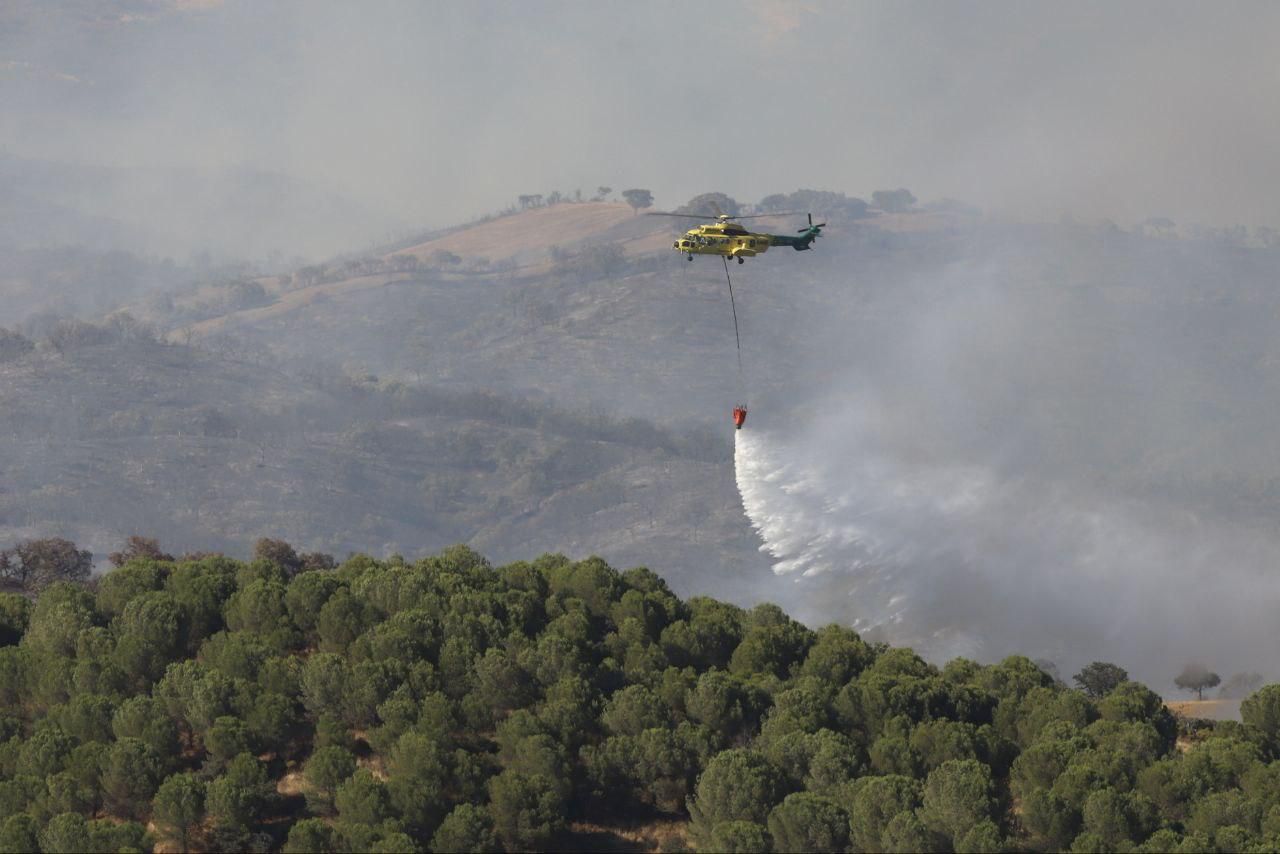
x: 684, y: 216
x: 766, y: 216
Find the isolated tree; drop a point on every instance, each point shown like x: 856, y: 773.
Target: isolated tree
x: 817, y: 202
x: 893, y: 201
x: 773, y: 203
x: 1100, y: 678
x: 1197, y: 677
x: 35, y: 564
x: 602, y: 192
x: 711, y: 204
x: 638, y: 198
x: 247, y: 294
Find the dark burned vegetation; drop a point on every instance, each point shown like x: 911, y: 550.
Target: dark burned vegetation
x: 205, y: 703
x: 134, y: 434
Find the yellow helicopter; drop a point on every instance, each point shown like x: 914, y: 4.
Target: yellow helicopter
x: 725, y: 237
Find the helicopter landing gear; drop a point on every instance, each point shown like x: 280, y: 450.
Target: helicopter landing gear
x: 741, y: 260
x: 690, y: 256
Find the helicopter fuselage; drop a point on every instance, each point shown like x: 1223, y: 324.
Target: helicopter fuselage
x: 728, y: 239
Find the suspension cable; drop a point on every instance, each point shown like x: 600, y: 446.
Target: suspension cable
x: 736, y: 336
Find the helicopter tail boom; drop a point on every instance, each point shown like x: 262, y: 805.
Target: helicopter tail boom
x: 799, y: 244
x: 807, y: 235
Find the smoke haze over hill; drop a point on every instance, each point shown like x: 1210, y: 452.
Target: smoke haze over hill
x: 426, y: 114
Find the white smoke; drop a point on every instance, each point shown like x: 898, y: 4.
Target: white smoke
x: 957, y: 560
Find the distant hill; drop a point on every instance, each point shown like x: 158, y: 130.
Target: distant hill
x: 582, y: 303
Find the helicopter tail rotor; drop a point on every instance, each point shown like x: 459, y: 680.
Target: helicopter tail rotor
x: 811, y: 227
x: 809, y: 233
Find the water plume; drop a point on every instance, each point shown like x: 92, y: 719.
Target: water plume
x: 960, y: 560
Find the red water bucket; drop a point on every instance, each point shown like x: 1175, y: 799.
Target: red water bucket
x: 739, y: 416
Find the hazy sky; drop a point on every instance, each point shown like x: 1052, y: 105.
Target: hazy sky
x: 430, y: 112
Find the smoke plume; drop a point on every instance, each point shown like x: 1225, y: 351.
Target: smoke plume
x: 998, y: 464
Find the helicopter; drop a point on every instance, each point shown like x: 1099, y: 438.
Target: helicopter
x: 725, y: 237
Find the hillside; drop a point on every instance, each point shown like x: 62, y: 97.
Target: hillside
x: 1064, y: 333
x: 111, y: 439
x: 583, y: 303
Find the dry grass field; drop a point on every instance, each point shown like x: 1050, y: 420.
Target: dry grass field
x: 1212, y: 710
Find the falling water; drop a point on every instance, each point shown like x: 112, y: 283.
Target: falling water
x: 955, y: 560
